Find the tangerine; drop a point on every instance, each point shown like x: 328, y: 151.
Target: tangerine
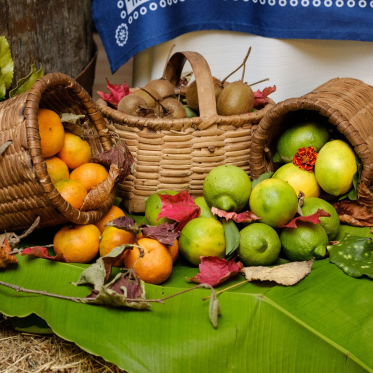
x: 72, y: 191
x: 57, y: 169
x: 74, y: 151
x: 89, y: 174
x: 155, y: 266
x: 79, y: 243
x: 174, y: 250
x: 113, y: 213
x: 52, y: 133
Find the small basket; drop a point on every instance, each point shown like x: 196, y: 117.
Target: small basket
x: 26, y: 190
x: 178, y: 154
x: 345, y: 102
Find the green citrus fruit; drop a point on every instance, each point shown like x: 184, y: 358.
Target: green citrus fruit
x: 300, y: 180
x: 259, y: 245
x: 274, y: 201
x: 205, y: 210
x: 228, y: 188
x: 153, y: 205
x: 304, y: 134
x: 305, y: 242
x: 202, y: 237
x: 330, y: 224
x: 335, y: 167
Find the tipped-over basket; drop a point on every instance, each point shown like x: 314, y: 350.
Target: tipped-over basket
x: 26, y: 190
x: 344, y: 102
x: 177, y: 154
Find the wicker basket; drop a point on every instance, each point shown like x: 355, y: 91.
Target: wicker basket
x: 344, y: 102
x: 178, y: 154
x: 26, y: 190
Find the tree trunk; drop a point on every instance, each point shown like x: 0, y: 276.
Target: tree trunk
x: 55, y: 33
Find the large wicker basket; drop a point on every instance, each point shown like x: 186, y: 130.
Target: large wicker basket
x: 344, y: 102
x: 26, y: 190
x: 178, y: 154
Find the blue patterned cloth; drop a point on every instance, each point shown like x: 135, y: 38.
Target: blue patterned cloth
x: 127, y: 27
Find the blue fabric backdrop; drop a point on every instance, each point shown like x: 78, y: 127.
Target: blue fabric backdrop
x: 127, y: 27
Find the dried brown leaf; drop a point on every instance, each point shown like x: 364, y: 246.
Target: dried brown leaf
x: 5, y: 256
x: 365, y: 196
x: 284, y: 274
x: 354, y: 213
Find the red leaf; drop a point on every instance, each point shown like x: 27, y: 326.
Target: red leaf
x: 260, y: 97
x: 214, y: 271
x: 42, y: 252
x: 314, y: 218
x: 242, y: 217
x: 117, y: 93
x: 180, y: 207
x: 164, y: 233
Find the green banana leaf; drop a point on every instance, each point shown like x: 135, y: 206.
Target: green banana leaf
x: 322, y: 324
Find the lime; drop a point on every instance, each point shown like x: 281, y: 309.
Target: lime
x: 274, y: 201
x: 153, y: 205
x: 303, y: 134
x: 205, y: 210
x: 330, y: 224
x: 228, y: 188
x: 335, y: 167
x: 202, y: 237
x: 259, y: 245
x: 300, y: 180
x: 305, y: 242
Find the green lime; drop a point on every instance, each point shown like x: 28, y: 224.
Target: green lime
x: 305, y: 242
x: 205, y: 210
x: 330, y: 224
x: 153, y: 205
x: 304, y: 134
x: 202, y: 237
x: 259, y: 245
x: 274, y: 201
x: 228, y: 188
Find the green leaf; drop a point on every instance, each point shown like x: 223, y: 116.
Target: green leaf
x: 232, y: 236
x: 262, y: 177
x: 6, y: 62
x: 2, y: 87
x: 26, y: 83
x: 354, y: 231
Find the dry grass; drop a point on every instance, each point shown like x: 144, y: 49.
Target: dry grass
x: 22, y: 352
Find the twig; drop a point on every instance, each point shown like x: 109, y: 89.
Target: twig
x: 242, y: 64
x: 228, y: 288
x: 260, y: 81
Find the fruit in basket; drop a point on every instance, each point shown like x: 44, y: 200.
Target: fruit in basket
x: 79, y: 243
x: 72, y: 191
x: 75, y: 151
x: 300, y: 180
x: 174, y: 108
x: 89, y: 174
x: 57, y: 169
x: 274, y: 201
x: 155, y: 266
x: 162, y: 86
x: 228, y: 188
x: 335, y: 167
x: 148, y: 95
x: 306, y: 241
x: 205, y: 209
x: 331, y: 224
x: 259, y: 245
x: 304, y: 134
x: 132, y: 105
x: 202, y: 237
x: 113, y: 213
x: 153, y: 205
x: 51, y: 132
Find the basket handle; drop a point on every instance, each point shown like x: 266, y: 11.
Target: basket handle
x: 202, y: 73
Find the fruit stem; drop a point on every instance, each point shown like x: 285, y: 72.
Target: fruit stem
x: 259, y: 81
x: 168, y: 58
x: 156, y: 100
x: 243, y: 64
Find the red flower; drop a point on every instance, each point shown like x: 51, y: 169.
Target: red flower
x: 305, y: 158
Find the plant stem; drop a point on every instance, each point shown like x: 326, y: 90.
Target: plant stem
x: 228, y: 288
x: 260, y: 81
x: 242, y: 64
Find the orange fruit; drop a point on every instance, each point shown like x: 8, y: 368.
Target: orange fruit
x: 74, y: 151
x: 72, y: 191
x: 57, y: 169
x: 113, y: 213
x: 114, y: 237
x: 52, y: 133
x: 89, y: 174
x: 174, y: 250
x: 155, y: 266
x: 79, y: 243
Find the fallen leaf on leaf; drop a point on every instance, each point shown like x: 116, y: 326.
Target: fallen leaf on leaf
x: 42, y: 252
x: 180, y: 207
x: 260, y: 97
x: 214, y: 271
x: 314, y: 218
x: 301, y: 197
x: 353, y: 213
x: 164, y: 233
x: 126, y: 223
x: 5, y: 256
x: 365, y: 196
x: 284, y: 274
x: 242, y: 217
x: 117, y: 92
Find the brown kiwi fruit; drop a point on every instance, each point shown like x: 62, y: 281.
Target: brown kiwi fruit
x: 148, y: 97
x: 130, y: 104
x: 192, y: 94
x: 175, y: 109
x: 162, y: 86
x: 236, y: 98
